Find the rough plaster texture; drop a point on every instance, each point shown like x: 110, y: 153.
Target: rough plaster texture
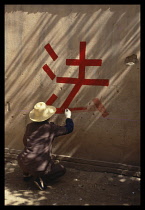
x: 111, y: 33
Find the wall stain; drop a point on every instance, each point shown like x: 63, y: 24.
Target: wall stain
x: 8, y: 107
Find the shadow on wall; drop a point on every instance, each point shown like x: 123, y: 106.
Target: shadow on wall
x: 62, y: 10
x: 20, y: 71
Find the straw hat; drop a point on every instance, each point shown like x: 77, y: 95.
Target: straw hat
x: 41, y: 112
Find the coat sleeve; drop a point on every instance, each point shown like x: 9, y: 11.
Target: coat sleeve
x: 63, y: 130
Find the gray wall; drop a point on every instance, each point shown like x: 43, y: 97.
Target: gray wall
x: 111, y: 33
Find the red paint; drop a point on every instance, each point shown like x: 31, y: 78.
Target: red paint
x: 98, y: 82
x: 67, y: 80
x: 82, y: 62
x: 82, y: 51
x: 72, y: 62
x: 61, y: 111
x: 51, y: 100
x: 71, y: 96
x: 77, y: 62
x: 48, y: 71
x: 100, y: 107
x: 76, y: 109
x: 51, y: 52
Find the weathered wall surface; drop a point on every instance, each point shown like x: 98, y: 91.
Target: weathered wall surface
x: 111, y: 33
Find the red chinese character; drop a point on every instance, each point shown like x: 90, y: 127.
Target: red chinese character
x: 82, y: 62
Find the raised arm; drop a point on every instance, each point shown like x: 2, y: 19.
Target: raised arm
x: 69, y: 125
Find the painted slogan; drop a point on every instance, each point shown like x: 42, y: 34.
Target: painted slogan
x: 82, y: 62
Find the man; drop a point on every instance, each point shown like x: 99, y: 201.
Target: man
x: 36, y: 158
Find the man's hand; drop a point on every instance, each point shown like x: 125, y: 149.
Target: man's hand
x: 67, y: 113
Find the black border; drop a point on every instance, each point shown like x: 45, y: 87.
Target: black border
x: 95, y: 2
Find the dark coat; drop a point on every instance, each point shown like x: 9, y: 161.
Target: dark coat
x: 36, y: 157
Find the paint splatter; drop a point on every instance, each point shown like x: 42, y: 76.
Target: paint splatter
x: 100, y: 107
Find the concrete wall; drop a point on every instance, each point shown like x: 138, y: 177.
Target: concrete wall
x: 111, y: 33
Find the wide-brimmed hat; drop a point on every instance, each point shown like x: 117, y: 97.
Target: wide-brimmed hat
x: 41, y: 112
